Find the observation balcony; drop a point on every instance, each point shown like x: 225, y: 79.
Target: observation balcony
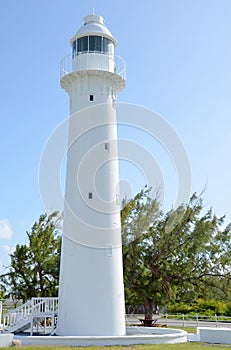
x: 93, y: 61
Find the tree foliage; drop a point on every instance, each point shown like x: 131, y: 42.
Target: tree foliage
x: 208, y: 307
x: 34, y: 269
x: 179, y: 256
x: 2, y: 294
x: 172, y: 256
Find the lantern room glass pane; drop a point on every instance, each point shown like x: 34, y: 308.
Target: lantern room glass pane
x: 74, y: 49
x: 82, y: 44
x: 95, y: 43
x: 92, y: 43
x: 108, y: 46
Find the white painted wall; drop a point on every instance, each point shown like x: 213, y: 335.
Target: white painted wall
x: 214, y: 335
x: 135, y: 335
x: 6, y: 340
x: 91, y: 292
x: 96, y: 61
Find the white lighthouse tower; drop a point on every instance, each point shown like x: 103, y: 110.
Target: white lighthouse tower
x: 91, y: 293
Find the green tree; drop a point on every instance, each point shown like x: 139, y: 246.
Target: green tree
x: 168, y: 256
x: 2, y: 292
x: 34, y: 269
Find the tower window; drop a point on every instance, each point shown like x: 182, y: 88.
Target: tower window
x: 107, y: 146
x: 91, y: 98
x: 90, y: 195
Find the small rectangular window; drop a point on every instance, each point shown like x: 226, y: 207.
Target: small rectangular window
x: 91, y: 98
x: 90, y: 195
x: 107, y: 146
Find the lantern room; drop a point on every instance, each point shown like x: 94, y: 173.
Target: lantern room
x: 93, y: 37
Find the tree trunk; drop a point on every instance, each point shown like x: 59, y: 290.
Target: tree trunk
x: 148, y: 306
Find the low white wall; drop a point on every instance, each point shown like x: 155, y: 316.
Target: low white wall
x: 214, y: 335
x: 193, y: 337
x: 135, y: 335
x: 6, y: 340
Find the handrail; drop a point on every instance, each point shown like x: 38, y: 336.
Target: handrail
x: 32, y: 307
x: 18, y: 308
x: 93, y: 61
x: 15, y: 315
x: 44, y: 305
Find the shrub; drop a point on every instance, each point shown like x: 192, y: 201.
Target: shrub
x: 202, y: 307
x: 180, y: 308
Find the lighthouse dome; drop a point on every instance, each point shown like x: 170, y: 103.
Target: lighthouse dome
x: 93, y: 25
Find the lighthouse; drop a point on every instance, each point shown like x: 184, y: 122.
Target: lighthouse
x: 91, y: 291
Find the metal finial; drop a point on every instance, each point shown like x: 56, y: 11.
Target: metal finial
x: 93, y: 7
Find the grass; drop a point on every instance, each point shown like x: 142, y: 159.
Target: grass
x: 187, y: 329
x: 182, y: 346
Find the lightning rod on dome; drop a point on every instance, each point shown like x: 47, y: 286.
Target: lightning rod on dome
x: 93, y: 7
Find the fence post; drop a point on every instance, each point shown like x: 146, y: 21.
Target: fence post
x: 216, y: 320
x: 197, y: 320
x: 166, y: 319
x: 183, y: 319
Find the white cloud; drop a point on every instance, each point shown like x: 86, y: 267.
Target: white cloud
x: 8, y: 249
x: 5, y: 229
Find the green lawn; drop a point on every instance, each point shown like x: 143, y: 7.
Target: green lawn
x: 184, y: 346
x: 187, y: 329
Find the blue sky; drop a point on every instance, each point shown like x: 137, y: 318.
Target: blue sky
x: 178, y: 56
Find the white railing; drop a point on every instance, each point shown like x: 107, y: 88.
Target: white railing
x: 44, y: 305
x: 93, y: 61
x: 184, y: 320
x: 32, y: 308
x: 16, y: 315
